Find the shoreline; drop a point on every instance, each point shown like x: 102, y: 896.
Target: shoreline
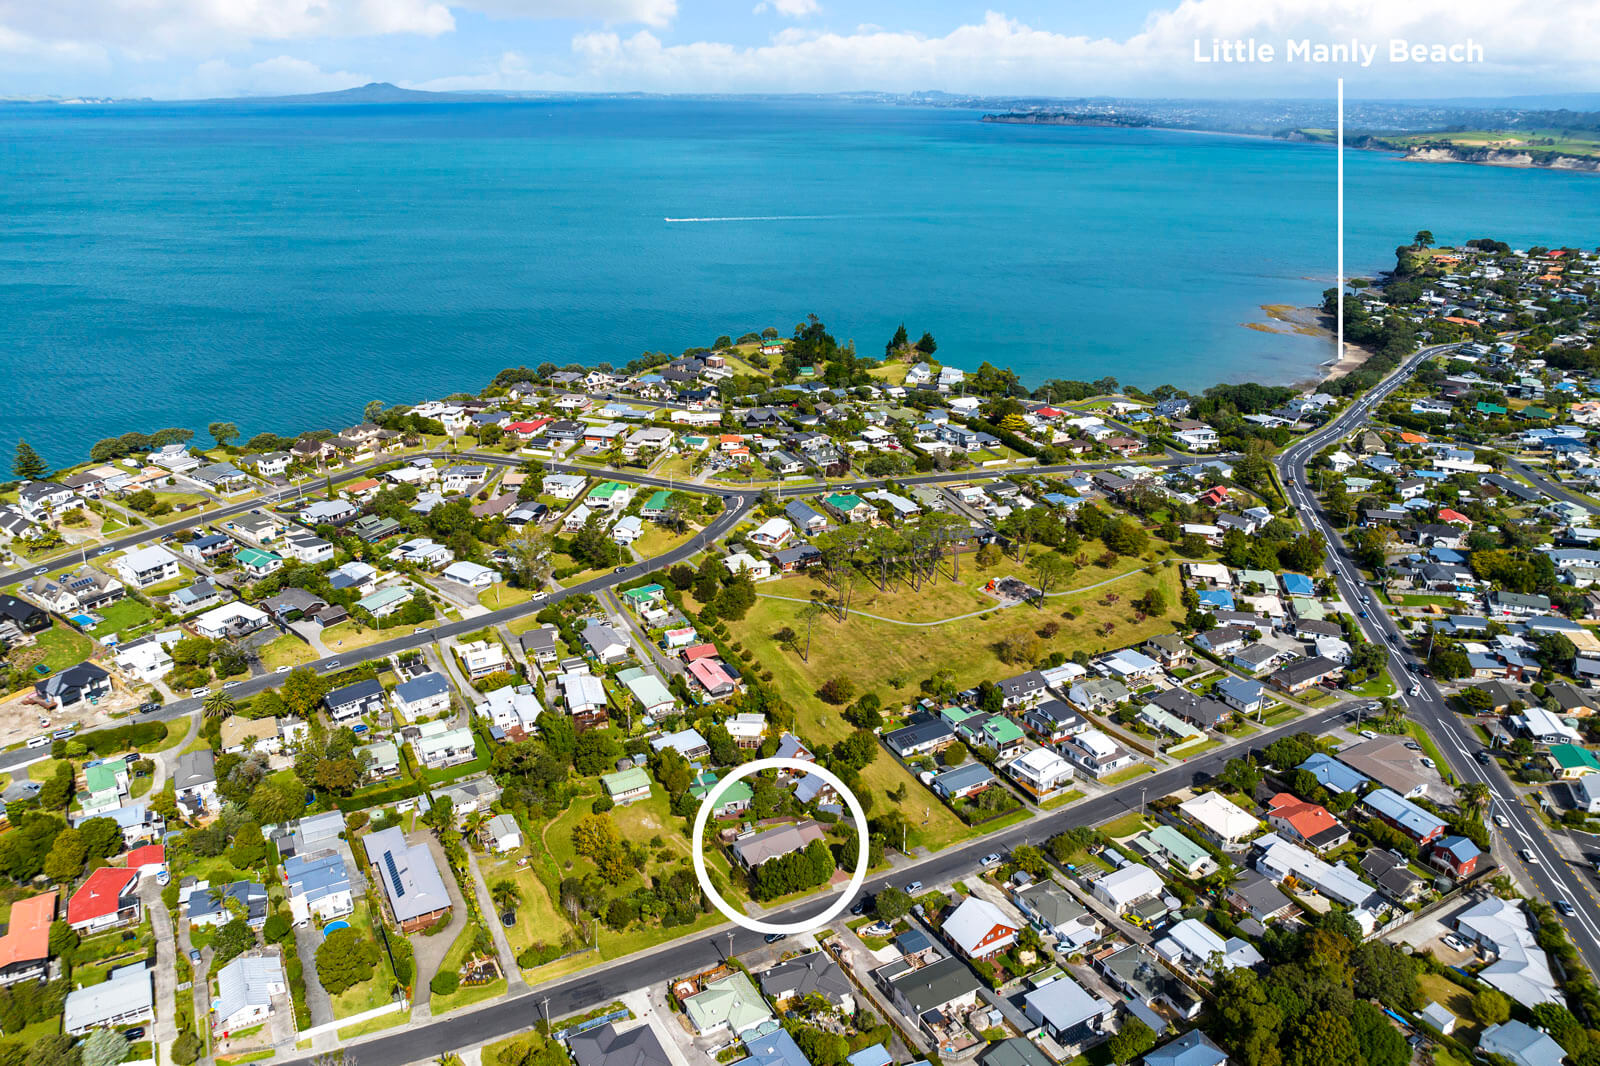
x: 1313, y: 322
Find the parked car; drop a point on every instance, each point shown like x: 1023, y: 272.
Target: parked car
x: 991, y: 858
x: 1453, y: 942
x: 1529, y: 857
x: 913, y: 888
x: 773, y: 938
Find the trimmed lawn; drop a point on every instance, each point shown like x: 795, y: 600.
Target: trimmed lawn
x: 1127, y: 825
x: 537, y: 917
x: 658, y: 540
x: 502, y: 595
x: 287, y: 650
x: 1455, y: 999
x: 1131, y: 773
x: 344, y: 636
x: 373, y: 1025
x: 119, y: 617
x: 464, y: 996
x: 1283, y: 713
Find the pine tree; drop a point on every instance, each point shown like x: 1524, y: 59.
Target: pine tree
x: 28, y: 465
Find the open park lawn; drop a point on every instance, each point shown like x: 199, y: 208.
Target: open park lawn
x: 658, y: 540
x: 893, y: 659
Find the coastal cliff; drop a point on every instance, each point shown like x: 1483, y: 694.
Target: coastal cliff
x: 1499, y: 157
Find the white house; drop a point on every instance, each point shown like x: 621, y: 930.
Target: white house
x: 245, y: 988
x: 743, y: 562
x: 472, y: 575
x: 144, y: 567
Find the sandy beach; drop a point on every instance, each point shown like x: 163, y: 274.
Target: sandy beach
x: 1311, y: 322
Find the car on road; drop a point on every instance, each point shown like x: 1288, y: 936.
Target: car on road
x: 199, y: 693
x: 991, y: 858
x: 283, y: 669
x: 1415, y: 690
x: 1529, y: 857
x: 1362, y: 612
x: 41, y: 569
x: 333, y: 665
x: 1453, y: 942
x: 620, y: 570
x: 1565, y: 907
x: 105, y: 551
x: 1502, y: 821
x: 1483, y: 757
x: 773, y: 938
x: 230, y: 684
x: 859, y: 907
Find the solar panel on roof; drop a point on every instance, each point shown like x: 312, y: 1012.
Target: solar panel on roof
x: 394, y: 874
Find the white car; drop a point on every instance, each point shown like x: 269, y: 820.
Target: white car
x: 200, y: 693
x: 1367, y: 734
x: 1529, y: 857
x: 1502, y: 821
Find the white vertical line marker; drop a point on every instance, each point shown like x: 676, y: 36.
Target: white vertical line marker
x: 1339, y: 154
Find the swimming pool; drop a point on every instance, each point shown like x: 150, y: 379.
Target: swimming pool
x: 333, y: 927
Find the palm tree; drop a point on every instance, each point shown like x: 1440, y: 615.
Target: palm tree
x: 1474, y: 795
x: 506, y: 895
x: 218, y: 704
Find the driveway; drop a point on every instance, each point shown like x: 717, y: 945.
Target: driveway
x: 431, y: 950
x: 306, y: 941
x: 166, y: 1026
x: 502, y: 946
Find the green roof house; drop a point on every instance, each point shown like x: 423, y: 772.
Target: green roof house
x: 734, y: 800
x: 257, y: 563
x: 849, y: 506
x: 1175, y: 849
x: 1484, y: 408
x: 644, y: 595
x: 384, y: 602
x: 1573, y: 761
x: 625, y: 786
x: 656, y: 505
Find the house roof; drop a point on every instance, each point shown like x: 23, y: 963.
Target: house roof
x: 758, y: 848
x: 1064, y: 1004
x: 812, y: 972
x: 605, y: 1046
x: 410, y: 876
x: 732, y: 1001
x: 247, y: 982
x: 973, y: 921
x: 1193, y: 1048
x: 99, y: 895
x: 317, y: 875
x: 1521, y: 1043
x: 28, y: 935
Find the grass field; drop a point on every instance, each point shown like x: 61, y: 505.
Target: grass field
x: 58, y: 647
x: 1455, y: 999
x: 345, y: 637
x: 658, y: 540
x: 879, y: 655
x: 1562, y: 141
x: 287, y: 650
x: 121, y: 617
x: 501, y: 594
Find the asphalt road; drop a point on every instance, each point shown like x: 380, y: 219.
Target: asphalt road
x: 1548, y: 485
x: 1525, y: 842
x: 570, y: 995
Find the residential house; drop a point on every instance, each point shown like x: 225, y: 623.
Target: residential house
x: 414, y: 890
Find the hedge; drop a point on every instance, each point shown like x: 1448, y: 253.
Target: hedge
x: 128, y: 737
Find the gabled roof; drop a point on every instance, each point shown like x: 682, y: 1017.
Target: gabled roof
x: 27, y: 936
x: 99, y: 895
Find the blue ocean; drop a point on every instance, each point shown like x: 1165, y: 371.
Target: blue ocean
x: 279, y: 266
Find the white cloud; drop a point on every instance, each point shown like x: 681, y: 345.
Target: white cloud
x: 1528, y: 38
x: 794, y: 9
x: 648, y: 12
x: 278, y: 76
x: 509, y: 71
x: 145, y: 30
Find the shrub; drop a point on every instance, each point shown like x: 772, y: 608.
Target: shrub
x: 444, y: 982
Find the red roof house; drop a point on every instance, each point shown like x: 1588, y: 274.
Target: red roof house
x: 695, y: 652
x: 149, y: 855
x: 711, y: 676
x: 109, y: 897
x: 1310, y: 823
x: 25, y: 949
x: 1454, y: 517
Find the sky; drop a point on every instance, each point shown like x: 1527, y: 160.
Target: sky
x: 186, y: 49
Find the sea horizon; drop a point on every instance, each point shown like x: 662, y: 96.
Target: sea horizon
x: 280, y: 266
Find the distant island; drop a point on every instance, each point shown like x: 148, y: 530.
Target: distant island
x: 1070, y: 118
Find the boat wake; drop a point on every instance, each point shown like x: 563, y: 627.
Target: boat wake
x: 757, y: 218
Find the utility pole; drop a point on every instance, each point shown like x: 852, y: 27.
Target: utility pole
x: 1141, y: 802
x: 729, y: 956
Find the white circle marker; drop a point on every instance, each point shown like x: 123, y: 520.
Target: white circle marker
x: 863, y: 853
